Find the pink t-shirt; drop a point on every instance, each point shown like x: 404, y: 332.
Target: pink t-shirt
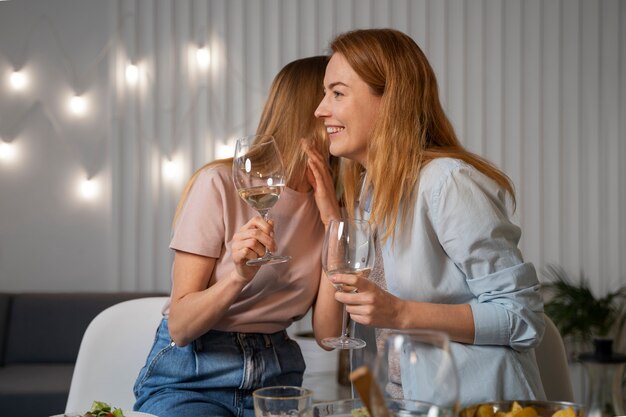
x: 278, y: 294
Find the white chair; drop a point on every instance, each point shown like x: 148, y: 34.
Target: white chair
x: 553, y: 365
x: 112, y: 352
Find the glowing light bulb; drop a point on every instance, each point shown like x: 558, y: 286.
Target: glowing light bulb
x: 225, y: 150
x: 78, y: 105
x: 88, y: 189
x: 203, y: 57
x: 172, y: 169
x: 18, y: 80
x: 8, y: 151
x: 132, y: 74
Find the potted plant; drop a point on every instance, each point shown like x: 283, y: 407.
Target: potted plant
x: 580, y: 315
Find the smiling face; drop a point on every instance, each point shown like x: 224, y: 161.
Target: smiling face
x: 349, y: 110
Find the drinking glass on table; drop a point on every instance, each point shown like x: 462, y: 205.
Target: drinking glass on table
x: 282, y: 401
x: 259, y: 176
x: 415, y: 367
x: 348, y: 250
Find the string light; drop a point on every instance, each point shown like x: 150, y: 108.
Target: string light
x: 88, y: 188
x: 132, y: 74
x: 203, y: 57
x: 18, y: 80
x: 78, y: 105
x: 8, y: 151
x: 172, y: 169
x: 225, y: 150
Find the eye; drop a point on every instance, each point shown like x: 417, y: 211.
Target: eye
x: 337, y: 93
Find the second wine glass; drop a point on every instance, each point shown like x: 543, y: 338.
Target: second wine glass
x: 348, y: 250
x: 259, y: 176
x: 416, y: 375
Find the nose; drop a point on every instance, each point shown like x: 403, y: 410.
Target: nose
x: 321, y: 110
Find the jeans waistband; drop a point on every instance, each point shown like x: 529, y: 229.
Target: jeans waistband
x: 251, y: 340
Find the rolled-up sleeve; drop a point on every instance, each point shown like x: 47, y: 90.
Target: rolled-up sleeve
x: 509, y: 308
x: 472, y: 224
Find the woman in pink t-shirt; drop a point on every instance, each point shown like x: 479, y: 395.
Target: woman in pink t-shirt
x: 223, y: 333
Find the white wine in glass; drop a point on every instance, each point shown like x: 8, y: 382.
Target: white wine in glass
x: 259, y: 176
x: 348, y: 250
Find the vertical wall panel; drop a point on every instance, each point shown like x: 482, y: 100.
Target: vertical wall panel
x: 609, y: 137
x: 235, y: 69
x: 437, y: 42
x: 131, y: 164
x: 252, y: 73
x: 344, y: 15
x: 418, y: 22
x: 307, y: 28
x: 115, y: 152
x: 471, y: 127
x: 620, y: 274
x: 363, y: 13
x: 380, y: 13
x: 493, y: 80
x: 273, y: 48
x: 290, y: 30
x: 327, y: 17
x: 456, y: 68
x: 591, y: 143
x: 512, y: 118
x: 536, y: 86
x: 532, y: 119
x: 398, y: 15
x: 550, y: 151
x: 148, y: 218
x: 571, y: 237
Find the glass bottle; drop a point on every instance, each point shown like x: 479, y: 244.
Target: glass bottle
x: 605, y: 370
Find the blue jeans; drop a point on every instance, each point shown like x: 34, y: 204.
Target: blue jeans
x: 215, y: 375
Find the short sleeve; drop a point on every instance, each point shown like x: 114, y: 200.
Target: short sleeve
x: 199, y: 228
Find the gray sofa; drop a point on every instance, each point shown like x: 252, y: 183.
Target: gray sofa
x: 40, y: 334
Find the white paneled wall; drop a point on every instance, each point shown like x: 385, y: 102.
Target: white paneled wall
x: 537, y: 86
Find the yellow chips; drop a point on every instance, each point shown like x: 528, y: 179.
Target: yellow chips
x: 487, y: 410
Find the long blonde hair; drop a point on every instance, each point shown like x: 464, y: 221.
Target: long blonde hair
x: 288, y: 115
x: 411, y: 130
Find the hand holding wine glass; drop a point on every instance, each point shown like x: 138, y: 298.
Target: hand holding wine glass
x: 348, y: 249
x: 259, y: 177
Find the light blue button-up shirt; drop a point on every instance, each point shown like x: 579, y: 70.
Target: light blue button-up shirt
x: 461, y: 248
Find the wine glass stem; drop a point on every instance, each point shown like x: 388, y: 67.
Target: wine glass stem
x: 266, y: 216
x: 344, y: 322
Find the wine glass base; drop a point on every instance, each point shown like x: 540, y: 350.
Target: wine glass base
x: 270, y: 260
x: 343, y: 343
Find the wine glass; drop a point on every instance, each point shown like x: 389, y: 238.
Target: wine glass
x: 259, y: 177
x: 415, y: 368
x: 349, y: 250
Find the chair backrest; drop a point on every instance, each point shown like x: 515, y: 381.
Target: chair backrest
x: 113, y: 350
x: 553, y: 365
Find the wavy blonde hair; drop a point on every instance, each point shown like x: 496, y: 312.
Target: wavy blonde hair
x: 288, y: 115
x: 411, y: 130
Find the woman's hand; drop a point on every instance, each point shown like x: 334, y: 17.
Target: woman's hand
x: 320, y: 178
x: 250, y: 242
x: 369, y: 305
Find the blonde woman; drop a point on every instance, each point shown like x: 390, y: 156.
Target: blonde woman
x: 223, y: 332
x: 449, y: 250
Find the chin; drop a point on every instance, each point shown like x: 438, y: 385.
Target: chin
x: 336, y: 149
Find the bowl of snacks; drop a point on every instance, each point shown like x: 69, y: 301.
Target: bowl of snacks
x: 530, y: 408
